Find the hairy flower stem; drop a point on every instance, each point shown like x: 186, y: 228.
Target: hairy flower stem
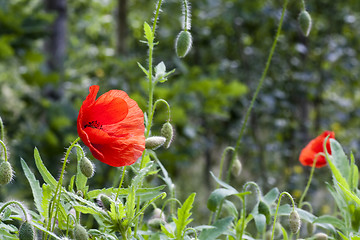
x: 121, y: 182
x: 309, y: 180
x: 277, y: 209
x: 5, y: 151
x: 243, y: 126
x: 2, y: 133
x: 19, y: 205
x: 58, y: 187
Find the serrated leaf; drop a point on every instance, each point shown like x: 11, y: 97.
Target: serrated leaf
x: 220, y: 226
x: 130, y: 204
x: 148, y: 33
x: 47, y: 196
x: 85, y: 210
x: 46, y: 175
x: 183, y: 215
x: 354, y: 174
x: 34, y: 184
x: 217, y: 196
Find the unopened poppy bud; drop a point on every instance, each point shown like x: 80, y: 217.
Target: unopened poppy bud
x: 154, y: 142
x: 295, y: 222
x: 155, y: 223
x: 105, y: 201
x: 6, y: 173
x: 236, y: 168
x: 305, y: 22
x: 167, y: 132
x: 183, y: 43
x: 86, y: 167
x: 157, y: 213
x: 26, y: 231
x: 320, y: 236
x: 80, y: 233
x: 263, y: 208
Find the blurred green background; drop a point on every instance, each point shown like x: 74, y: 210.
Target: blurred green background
x: 51, y: 51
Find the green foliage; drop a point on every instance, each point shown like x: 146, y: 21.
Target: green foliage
x: 183, y: 216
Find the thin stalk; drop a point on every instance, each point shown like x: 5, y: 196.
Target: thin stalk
x: 167, y: 106
x: 222, y: 162
x: 58, y: 188
x: 5, y: 151
x: 19, y: 205
x: 121, y: 182
x: 277, y: 209
x: 186, y: 13
x: 243, y: 216
x: 2, y: 132
x: 242, y: 130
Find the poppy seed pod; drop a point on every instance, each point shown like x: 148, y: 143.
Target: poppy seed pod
x: 320, y: 236
x: 154, y: 142
x: 80, y: 233
x: 6, y: 173
x: 167, y: 132
x: 183, y: 43
x: 295, y: 222
x: 86, y: 167
x: 26, y: 231
x: 305, y: 22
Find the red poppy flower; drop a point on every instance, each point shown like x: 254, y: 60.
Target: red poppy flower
x: 314, y: 147
x: 112, y: 127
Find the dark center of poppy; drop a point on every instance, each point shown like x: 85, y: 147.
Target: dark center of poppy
x: 94, y: 124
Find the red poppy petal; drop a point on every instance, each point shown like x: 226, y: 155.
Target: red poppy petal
x: 318, y: 143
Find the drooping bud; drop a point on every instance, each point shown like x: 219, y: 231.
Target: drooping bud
x: 105, y: 201
x: 305, y: 22
x: 167, y: 132
x: 236, y: 168
x: 26, y: 231
x: 183, y: 43
x: 6, y: 173
x: 80, y: 233
x: 157, y: 219
x: 320, y: 236
x: 86, y: 167
x: 154, y: 142
x: 295, y: 222
x: 263, y: 208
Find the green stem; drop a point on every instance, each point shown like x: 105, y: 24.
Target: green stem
x: 302, y: 5
x: 2, y: 133
x: 19, y: 205
x: 242, y: 228
x: 186, y: 15
x: 121, y: 182
x: 222, y: 162
x: 309, y: 180
x: 258, y: 88
x: 5, y: 151
x: 277, y: 209
x: 167, y: 105
x: 58, y: 188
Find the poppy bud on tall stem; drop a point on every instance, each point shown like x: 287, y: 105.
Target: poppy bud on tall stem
x: 6, y: 173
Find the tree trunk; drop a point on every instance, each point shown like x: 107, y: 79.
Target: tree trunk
x: 121, y: 22
x: 55, y: 45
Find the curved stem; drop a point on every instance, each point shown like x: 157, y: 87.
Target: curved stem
x: 222, y: 162
x: 5, y: 151
x: 67, y: 223
x: 309, y: 180
x: 58, y: 188
x: 258, y: 88
x: 277, y: 209
x: 121, y: 182
x: 167, y: 105
x: 19, y: 205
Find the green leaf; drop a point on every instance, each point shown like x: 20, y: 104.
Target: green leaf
x: 217, y: 196
x: 342, y: 235
x: 47, y: 196
x: 86, y: 210
x: 130, y: 203
x: 354, y: 174
x: 183, y: 215
x: 337, y: 223
x: 285, y: 235
x: 81, y: 180
x: 148, y: 33
x: 271, y: 196
x: 223, y: 184
x: 143, y: 69
x: 350, y: 194
x: 220, y: 226
x: 340, y: 160
x: 231, y: 208
x: 46, y: 175
x: 260, y: 222
x: 167, y: 232
x: 34, y: 184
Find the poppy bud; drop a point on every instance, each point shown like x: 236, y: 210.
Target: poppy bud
x: 157, y: 213
x: 105, y: 201
x: 236, y: 168
x: 154, y: 142
x: 183, y: 43
x: 305, y: 22
x: 320, y: 236
x: 86, y: 167
x: 263, y: 208
x: 295, y: 222
x: 155, y: 223
x: 80, y: 233
x: 26, y: 231
x: 167, y: 132
x: 6, y: 173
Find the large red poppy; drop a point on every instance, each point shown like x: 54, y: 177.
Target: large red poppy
x: 112, y: 127
x: 314, y: 149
